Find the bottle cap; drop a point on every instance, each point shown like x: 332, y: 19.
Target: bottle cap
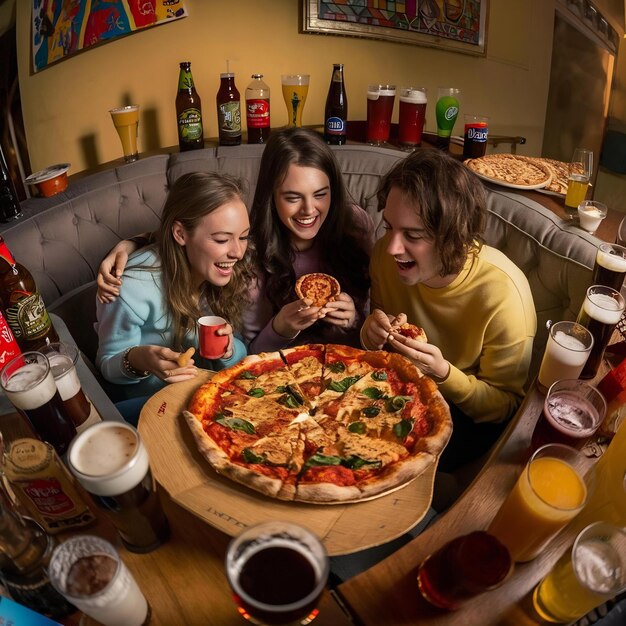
x: 227, y: 75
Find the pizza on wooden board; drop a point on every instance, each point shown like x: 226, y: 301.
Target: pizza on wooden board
x: 320, y: 423
x: 318, y: 287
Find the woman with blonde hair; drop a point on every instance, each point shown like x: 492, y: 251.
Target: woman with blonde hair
x: 196, y: 267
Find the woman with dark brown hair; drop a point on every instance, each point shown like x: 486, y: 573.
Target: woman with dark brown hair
x: 197, y: 267
x: 474, y: 304
x: 302, y: 222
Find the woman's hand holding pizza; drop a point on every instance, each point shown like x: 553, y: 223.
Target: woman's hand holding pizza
x: 340, y: 312
x: 294, y: 317
x: 162, y: 362
x: 425, y: 356
x: 377, y: 327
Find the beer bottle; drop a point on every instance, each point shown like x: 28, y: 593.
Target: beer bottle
x: 336, y: 112
x: 258, y: 110
x: 188, y: 111
x: 23, y: 305
x: 228, y: 111
x: 25, y: 552
x: 9, y: 202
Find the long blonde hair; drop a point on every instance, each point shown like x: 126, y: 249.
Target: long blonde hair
x: 192, y: 197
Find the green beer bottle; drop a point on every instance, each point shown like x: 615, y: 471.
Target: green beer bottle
x: 446, y: 110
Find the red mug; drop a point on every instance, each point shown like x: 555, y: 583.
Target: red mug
x: 212, y: 345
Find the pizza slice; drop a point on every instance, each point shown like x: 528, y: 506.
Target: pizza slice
x: 318, y: 287
x: 411, y: 331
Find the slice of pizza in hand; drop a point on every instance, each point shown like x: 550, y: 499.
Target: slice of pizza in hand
x: 411, y: 331
x: 320, y: 288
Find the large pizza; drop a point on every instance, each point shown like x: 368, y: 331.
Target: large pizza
x: 320, y: 423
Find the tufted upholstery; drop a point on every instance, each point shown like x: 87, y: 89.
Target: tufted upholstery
x: 63, y: 239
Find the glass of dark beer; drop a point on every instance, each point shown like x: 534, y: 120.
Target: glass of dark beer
x: 63, y: 358
x: 29, y: 384
x: 601, y: 310
x: 277, y: 571
x: 610, y: 266
x: 111, y: 462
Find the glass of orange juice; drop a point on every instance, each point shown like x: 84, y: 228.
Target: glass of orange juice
x: 126, y: 122
x: 548, y: 494
x: 579, y: 173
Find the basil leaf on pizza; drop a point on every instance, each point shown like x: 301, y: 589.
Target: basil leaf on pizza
x: 372, y: 420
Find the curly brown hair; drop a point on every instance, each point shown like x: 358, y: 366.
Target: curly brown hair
x: 449, y: 198
x: 190, y: 198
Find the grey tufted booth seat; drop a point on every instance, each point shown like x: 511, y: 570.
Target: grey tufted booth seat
x: 63, y: 239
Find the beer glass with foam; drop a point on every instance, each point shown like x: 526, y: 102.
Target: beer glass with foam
x: 601, y: 310
x: 277, y: 571
x: 111, y: 462
x: 63, y: 358
x: 593, y: 571
x: 411, y: 116
x: 89, y: 572
x: 295, y: 90
x: 126, y: 122
x: 380, y: 99
x: 29, y: 384
x: 610, y: 266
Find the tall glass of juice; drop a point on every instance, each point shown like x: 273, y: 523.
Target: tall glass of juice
x: 548, y: 494
x: 593, y: 571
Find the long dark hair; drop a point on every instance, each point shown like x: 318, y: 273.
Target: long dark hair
x: 449, y: 198
x: 340, y: 238
x: 190, y: 198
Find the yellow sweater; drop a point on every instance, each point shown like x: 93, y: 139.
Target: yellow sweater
x: 484, y: 323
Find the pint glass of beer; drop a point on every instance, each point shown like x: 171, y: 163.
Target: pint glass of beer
x: 111, y: 462
x: 29, y: 384
x: 63, y: 358
x: 89, y: 572
x: 601, y: 310
x: 277, y: 571
x: 411, y: 116
x: 610, y: 266
x: 295, y: 90
x: 126, y: 122
x: 380, y: 99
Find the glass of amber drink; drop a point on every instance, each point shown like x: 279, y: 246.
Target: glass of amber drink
x: 548, y: 494
x: 126, y: 122
x: 277, y: 572
x: 593, y: 571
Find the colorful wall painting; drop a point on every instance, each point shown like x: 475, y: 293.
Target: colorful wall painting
x: 458, y: 25
x: 63, y: 27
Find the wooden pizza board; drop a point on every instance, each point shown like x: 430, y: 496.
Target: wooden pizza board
x: 191, y: 482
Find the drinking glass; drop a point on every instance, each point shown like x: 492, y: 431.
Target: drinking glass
x: 63, y: 358
x: 593, y: 571
x: 126, y: 121
x: 567, y: 350
x: 579, y: 174
x: 601, y: 310
x: 295, y: 90
x: 475, y: 136
x: 548, y: 494
x: 111, y: 462
x: 29, y: 384
x: 620, y: 239
x: 573, y: 411
x: 277, y: 571
x: 89, y: 572
x: 591, y: 214
x: 610, y: 266
x: 380, y: 99
x: 411, y: 117
x: 446, y: 112
x: 463, y: 568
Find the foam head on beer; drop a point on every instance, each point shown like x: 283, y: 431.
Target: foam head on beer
x: 109, y: 458
x: 31, y: 386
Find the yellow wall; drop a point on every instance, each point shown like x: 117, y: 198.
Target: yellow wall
x: 66, y: 105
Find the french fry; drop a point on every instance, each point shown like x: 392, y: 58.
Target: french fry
x: 184, y: 358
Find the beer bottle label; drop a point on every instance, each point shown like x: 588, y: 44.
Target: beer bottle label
x: 47, y: 495
x: 190, y: 125
x: 258, y: 113
x: 27, y: 316
x: 8, y: 345
x: 229, y: 118
x: 185, y: 80
x: 335, y: 126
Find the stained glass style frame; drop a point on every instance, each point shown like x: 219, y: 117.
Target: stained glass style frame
x: 455, y: 25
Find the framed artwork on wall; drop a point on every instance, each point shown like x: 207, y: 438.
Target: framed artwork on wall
x: 455, y: 25
x: 60, y: 29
